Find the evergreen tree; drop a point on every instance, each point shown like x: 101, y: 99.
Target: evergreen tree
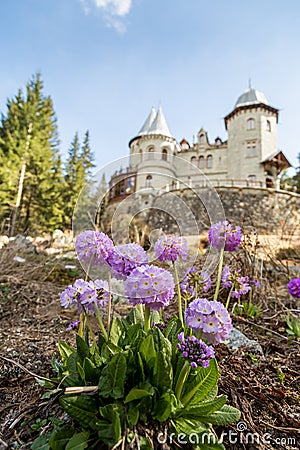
x: 296, y: 178
x: 87, y: 156
x: 30, y: 166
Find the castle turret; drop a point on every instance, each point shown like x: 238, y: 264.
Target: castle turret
x: 151, y: 152
x: 252, y: 137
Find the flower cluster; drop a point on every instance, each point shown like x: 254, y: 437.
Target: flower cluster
x: 73, y: 325
x: 125, y: 258
x: 224, y: 235
x: 294, y: 287
x: 150, y: 285
x: 194, y: 280
x: 239, y: 285
x: 195, y: 350
x: 170, y: 247
x: 85, y: 294
x: 93, y: 246
x: 209, y: 318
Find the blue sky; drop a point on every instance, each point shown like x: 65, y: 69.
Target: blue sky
x: 105, y: 63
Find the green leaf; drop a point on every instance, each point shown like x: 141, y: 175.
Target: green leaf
x: 147, y: 350
x: 109, y: 430
x: 163, y: 371
x: 79, y: 441
x: 115, y: 331
x: 226, y: 415
x: 92, y: 372
x: 60, y: 438
x: 199, y: 386
x: 136, y: 394
x: 83, y: 349
x: 41, y: 443
x: 203, y: 409
x: 188, y: 426
x: 81, y: 372
x: 164, y: 407
x: 82, y: 408
x: 111, y: 382
x: 65, y: 350
x: 49, y: 394
x: 132, y: 415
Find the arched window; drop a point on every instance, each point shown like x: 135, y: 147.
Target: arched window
x: 209, y: 161
x: 201, y: 162
x: 251, y: 124
x: 268, y: 126
x: 194, y: 160
x: 164, y: 154
x: 151, y: 153
x: 201, y: 139
x: 148, y: 181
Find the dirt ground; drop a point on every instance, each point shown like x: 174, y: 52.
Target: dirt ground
x: 265, y: 388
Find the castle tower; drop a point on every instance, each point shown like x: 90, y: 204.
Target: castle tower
x: 252, y: 138
x: 152, y: 151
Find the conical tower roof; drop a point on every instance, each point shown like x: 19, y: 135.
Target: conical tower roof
x: 159, y: 125
x: 148, y: 122
x: 251, y: 97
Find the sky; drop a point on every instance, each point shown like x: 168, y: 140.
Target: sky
x: 105, y: 63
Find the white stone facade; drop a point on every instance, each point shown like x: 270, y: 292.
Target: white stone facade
x: 249, y: 157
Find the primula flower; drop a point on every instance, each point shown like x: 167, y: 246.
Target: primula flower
x: 127, y: 257
x: 170, y: 247
x: 85, y: 293
x: 195, y: 351
x: 93, y: 246
x: 210, y: 318
x: 150, y: 285
x: 239, y: 285
x: 194, y: 280
x: 294, y: 287
x: 223, y: 234
x: 72, y: 325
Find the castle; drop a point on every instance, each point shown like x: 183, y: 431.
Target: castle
x: 248, y: 158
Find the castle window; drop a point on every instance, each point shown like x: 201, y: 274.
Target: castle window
x: 252, y: 180
x: 201, y: 139
x: 164, y: 155
x: 151, y: 153
x: 251, y: 149
x: 201, y: 162
x: 209, y: 161
x: 268, y: 126
x: 194, y: 160
x: 141, y: 155
x: 250, y: 124
x: 148, y: 181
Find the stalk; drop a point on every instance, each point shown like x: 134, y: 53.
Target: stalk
x: 229, y: 296
x: 182, y: 378
x: 219, y: 274
x: 109, y: 304
x: 100, y: 322
x: 147, y: 323
x: 178, y: 294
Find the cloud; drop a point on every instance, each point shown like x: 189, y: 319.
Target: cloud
x: 113, y: 11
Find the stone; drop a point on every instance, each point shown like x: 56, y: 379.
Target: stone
x: 237, y: 339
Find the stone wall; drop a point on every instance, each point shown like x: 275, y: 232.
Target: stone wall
x: 264, y: 210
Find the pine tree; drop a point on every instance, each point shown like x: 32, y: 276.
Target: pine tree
x: 87, y: 156
x: 30, y: 173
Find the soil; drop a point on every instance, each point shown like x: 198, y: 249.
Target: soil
x: 264, y: 388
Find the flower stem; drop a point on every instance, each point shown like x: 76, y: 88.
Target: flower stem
x: 100, y: 322
x: 147, y: 323
x: 229, y: 297
x: 109, y: 303
x: 90, y: 329
x: 181, y: 379
x: 219, y: 274
x: 178, y: 294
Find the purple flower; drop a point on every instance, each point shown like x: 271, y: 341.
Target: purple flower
x: 222, y: 234
x: 85, y: 294
x: 170, y: 247
x: 127, y: 257
x: 195, y: 280
x: 233, y: 280
x: 93, y: 246
x: 195, y: 350
x: 294, y: 287
x: 72, y: 325
x: 209, y: 318
x: 150, y: 285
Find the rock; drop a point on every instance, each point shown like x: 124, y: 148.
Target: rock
x: 23, y: 244
x: 4, y: 240
x: 237, y: 339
